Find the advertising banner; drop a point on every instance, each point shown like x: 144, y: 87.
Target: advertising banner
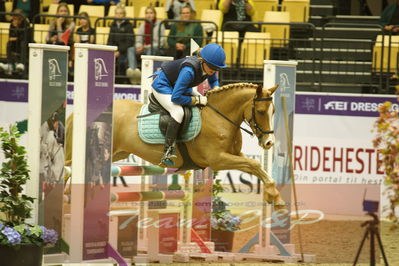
x: 98, y: 153
x: 52, y: 136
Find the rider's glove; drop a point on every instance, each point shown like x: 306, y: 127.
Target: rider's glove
x: 199, y: 100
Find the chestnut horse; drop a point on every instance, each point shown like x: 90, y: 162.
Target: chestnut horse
x: 218, y: 145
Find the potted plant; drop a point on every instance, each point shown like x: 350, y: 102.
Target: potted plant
x: 20, y: 243
x: 223, y: 222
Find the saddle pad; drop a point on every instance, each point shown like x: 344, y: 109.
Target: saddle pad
x: 149, y: 131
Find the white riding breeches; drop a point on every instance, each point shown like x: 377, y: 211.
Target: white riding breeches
x: 175, y: 110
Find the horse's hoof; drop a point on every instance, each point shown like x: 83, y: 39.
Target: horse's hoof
x: 280, y: 206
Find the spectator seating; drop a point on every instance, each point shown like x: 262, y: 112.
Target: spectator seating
x: 52, y: 10
x: 382, y: 47
x: 8, y: 8
x: 111, y: 13
x: 229, y: 41
x: 93, y: 11
x: 299, y: 9
x: 201, y: 5
x: 138, y: 4
x: 102, y: 34
x: 212, y: 15
x: 261, y: 6
x: 279, y: 34
x: 4, y: 29
x: 40, y: 32
x: 255, y: 49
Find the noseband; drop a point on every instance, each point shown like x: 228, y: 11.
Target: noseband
x: 259, y: 131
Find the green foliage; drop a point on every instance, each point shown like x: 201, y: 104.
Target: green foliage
x: 15, y: 205
x: 14, y: 174
x: 387, y: 140
x: 222, y: 218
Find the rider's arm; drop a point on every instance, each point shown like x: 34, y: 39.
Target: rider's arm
x: 186, y: 76
x: 213, y: 80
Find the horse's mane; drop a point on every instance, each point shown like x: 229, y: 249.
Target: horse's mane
x: 231, y: 87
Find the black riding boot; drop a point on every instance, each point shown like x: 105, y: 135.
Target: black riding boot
x: 170, y: 142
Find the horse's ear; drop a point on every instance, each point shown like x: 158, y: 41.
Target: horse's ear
x: 259, y: 91
x: 273, y: 89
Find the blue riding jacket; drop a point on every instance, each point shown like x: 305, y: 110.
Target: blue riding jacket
x: 178, y: 77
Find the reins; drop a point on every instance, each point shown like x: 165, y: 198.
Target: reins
x: 253, y: 118
x: 228, y: 119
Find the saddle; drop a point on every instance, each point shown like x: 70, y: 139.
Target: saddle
x: 153, y: 121
x: 164, y: 117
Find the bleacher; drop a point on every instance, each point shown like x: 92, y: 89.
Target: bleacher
x: 336, y: 53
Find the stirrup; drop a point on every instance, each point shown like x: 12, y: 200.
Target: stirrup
x: 170, y: 153
x: 166, y: 162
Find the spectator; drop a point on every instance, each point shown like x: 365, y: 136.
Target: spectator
x: 121, y: 35
x: 30, y: 8
x: 143, y: 38
x: 85, y: 33
x: 390, y: 18
x: 19, y: 37
x: 238, y: 10
x: 105, y: 3
x: 61, y: 28
x: 173, y: 7
x: 181, y: 33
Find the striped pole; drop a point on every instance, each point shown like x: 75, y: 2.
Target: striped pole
x: 148, y: 196
x: 133, y: 170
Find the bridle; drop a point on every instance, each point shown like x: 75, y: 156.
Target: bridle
x: 256, y: 127
x: 258, y: 130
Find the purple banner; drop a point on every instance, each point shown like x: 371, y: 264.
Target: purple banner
x: 17, y: 91
x: 341, y: 104
x: 100, y: 91
x: 14, y: 91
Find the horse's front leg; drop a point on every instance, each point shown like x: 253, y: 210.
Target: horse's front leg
x: 228, y: 161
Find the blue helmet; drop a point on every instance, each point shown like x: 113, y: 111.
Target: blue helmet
x: 214, y: 55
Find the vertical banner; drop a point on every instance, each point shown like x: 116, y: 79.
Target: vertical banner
x: 47, y: 102
x: 168, y: 232
x: 51, y: 185
x: 282, y: 73
x: 202, y: 203
x: 92, y: 148
x: 127, y: 235
x: 100, y: 92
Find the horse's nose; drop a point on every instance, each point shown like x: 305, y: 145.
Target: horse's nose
x: 268, y: 144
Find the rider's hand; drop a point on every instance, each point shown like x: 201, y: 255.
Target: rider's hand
x: 199, y: 100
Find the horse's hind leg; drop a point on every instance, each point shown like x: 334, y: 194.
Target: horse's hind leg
x: 228, y: 161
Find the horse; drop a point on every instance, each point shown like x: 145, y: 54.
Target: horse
x: 52, y: 159
x: 219, y: 142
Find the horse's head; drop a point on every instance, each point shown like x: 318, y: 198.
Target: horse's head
x: 262, y: 111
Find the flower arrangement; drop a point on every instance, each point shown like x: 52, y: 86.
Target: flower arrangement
x: 14, y: 205
x: 386, y: 128
x: 222, y: 218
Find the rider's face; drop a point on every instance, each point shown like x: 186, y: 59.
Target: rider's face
x: 207, y: 69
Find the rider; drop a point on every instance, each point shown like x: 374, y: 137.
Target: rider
x: 173, y: 84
